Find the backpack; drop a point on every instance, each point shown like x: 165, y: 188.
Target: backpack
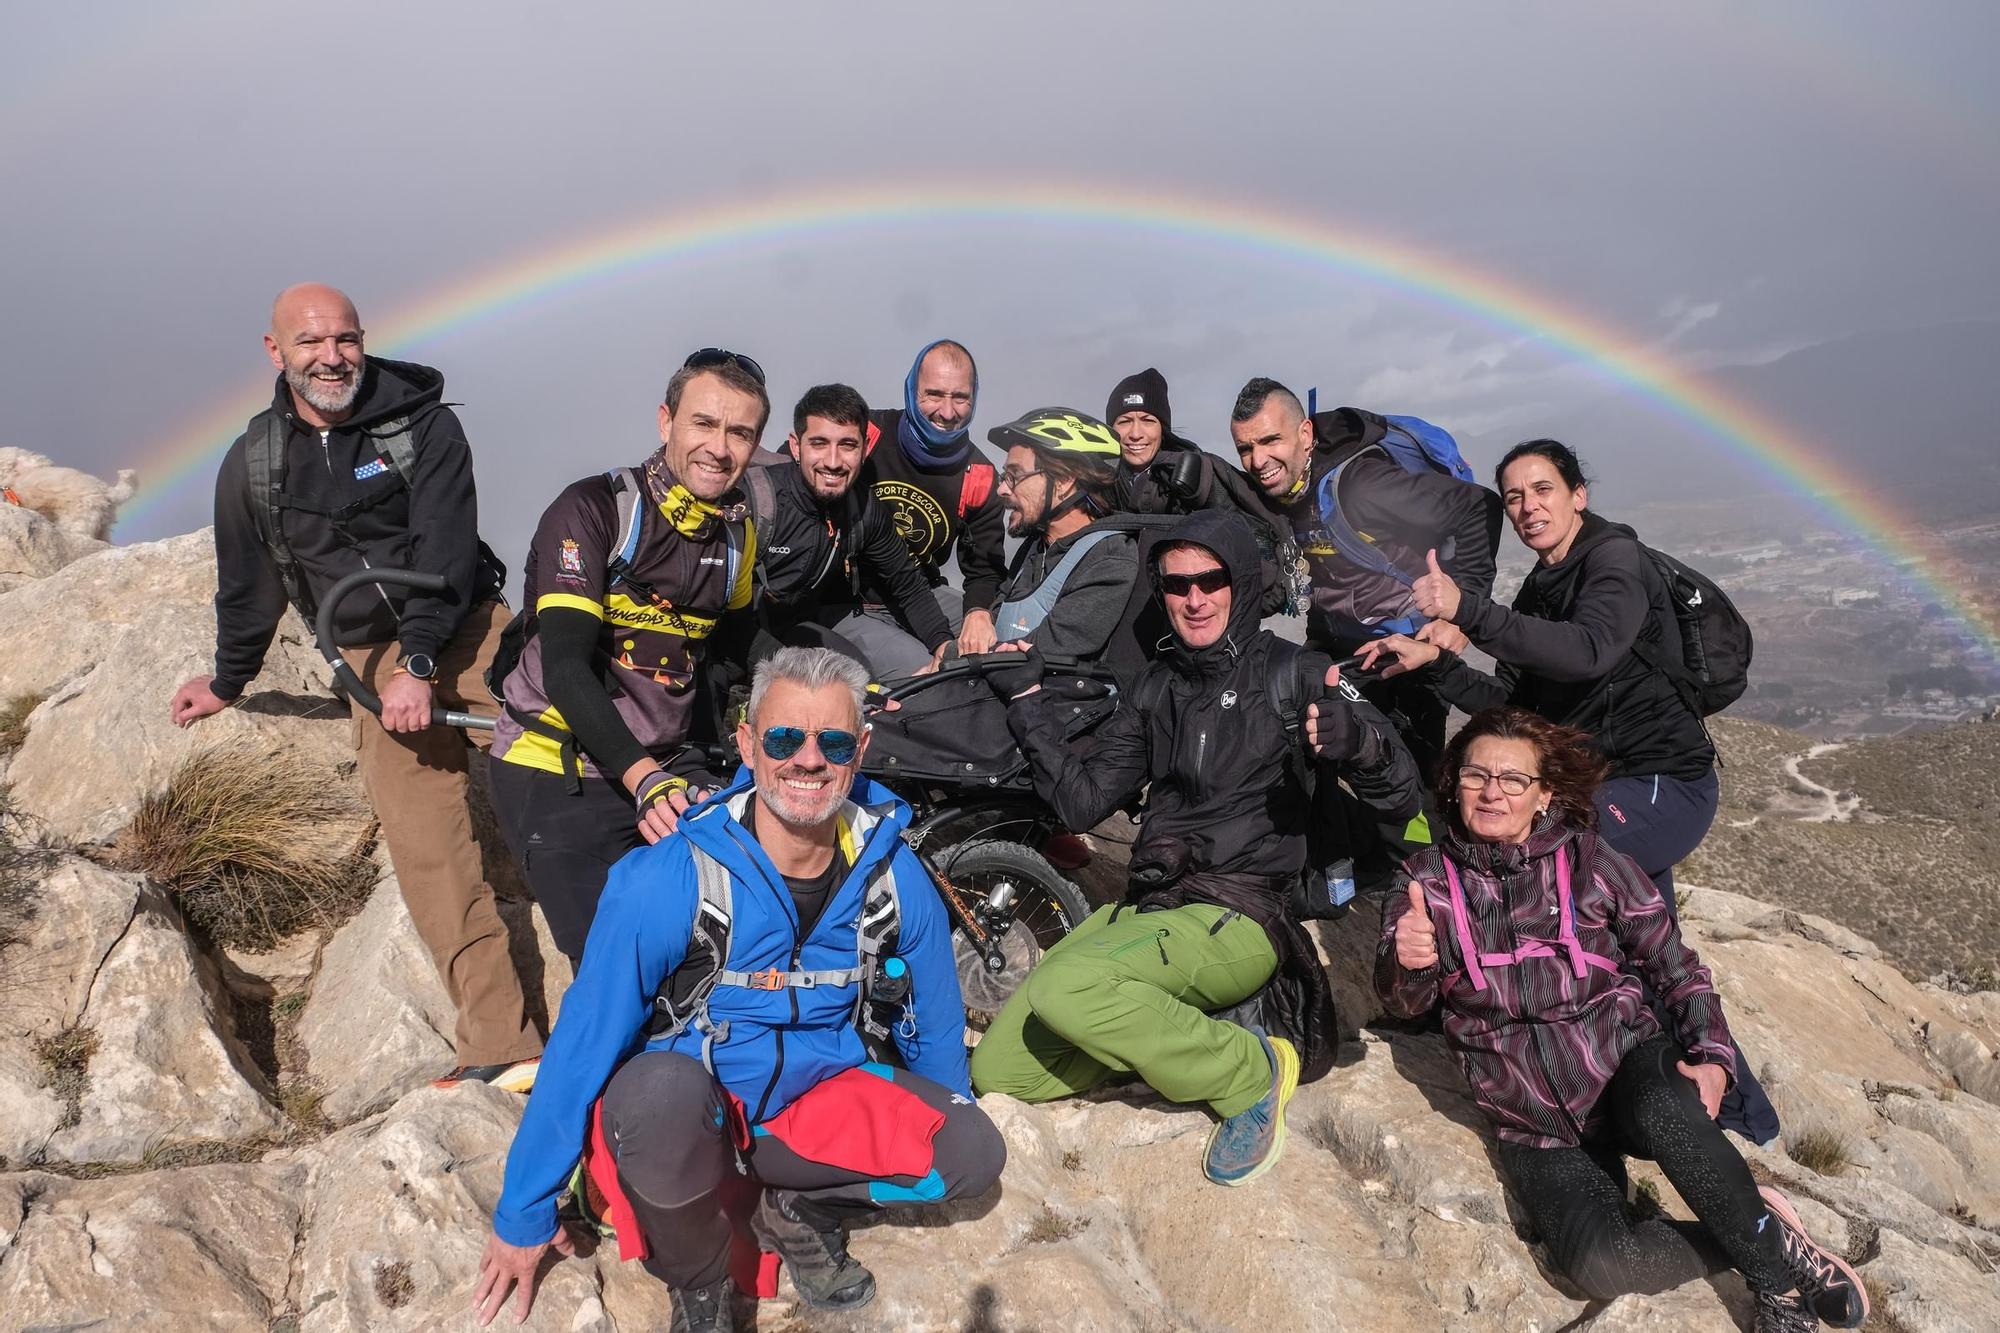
x: 628, y: 491
x: 1712, y: 669
x: 1416, y: 446
x: 682, y: 1001
x: 264, y: 471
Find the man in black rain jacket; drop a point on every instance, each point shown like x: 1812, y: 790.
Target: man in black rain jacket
x: 1209, y: 917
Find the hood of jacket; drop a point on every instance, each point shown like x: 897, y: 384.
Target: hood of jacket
x: 1345, y: 431
x: 1553, y: 581
x: 1226, y: 534
x: 389, y: 389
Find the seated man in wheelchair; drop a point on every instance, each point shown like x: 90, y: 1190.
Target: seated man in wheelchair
x: 1231, y: 728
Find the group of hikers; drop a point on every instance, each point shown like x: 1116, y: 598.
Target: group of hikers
x: 765, y: 1038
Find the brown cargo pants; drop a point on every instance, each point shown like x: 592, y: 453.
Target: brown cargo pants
x: 416, y: 782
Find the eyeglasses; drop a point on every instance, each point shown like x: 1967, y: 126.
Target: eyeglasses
x: 1011, y: 477
x: 709, y: 357
x: 1210, y: 581
x: 837, y: 746
x: 1474, y: 778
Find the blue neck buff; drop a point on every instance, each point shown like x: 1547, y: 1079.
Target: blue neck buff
x: 922, y: 443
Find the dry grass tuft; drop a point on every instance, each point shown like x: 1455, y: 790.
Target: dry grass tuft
x: 65, y: 1060
x: 238, y: 838
x: 14, y: 721
x: 393, y: 1286
x: 1052, y: 1226
x: 1072, y: 1160
x: 1822, y: 1151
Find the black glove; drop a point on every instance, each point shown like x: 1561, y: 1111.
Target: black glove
x: 1010, y: 674
x: 1341, y: 733
x: 1180, y: 476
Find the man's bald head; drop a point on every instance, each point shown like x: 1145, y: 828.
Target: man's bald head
x: 315, y: 339
x: 302, y: 299
x: 947, y: 383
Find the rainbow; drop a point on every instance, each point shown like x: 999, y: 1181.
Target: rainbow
x: 681, y: 237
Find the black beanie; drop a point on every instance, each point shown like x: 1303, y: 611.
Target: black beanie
x: 1143, y: 392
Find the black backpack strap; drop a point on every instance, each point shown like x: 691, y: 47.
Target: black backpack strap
x: 264, y: 469
x: 398, y: 443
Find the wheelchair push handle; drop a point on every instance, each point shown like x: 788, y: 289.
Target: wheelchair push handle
x: 349, y: 679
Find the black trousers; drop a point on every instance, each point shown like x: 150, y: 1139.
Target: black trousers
x: 565, y: 842
x: 1576, y: 1196
x: 666, y: 1121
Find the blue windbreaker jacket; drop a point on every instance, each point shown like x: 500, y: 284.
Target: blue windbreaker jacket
x: 774, y: 1051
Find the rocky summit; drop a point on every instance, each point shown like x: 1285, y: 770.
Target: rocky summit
x: 205, y: 1131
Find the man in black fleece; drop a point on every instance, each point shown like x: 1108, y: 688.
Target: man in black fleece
x: 1207, y: 920
x: 326, y: 450
x: 821, y: 538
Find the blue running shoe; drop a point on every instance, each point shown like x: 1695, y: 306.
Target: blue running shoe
x: 1249, y: 1143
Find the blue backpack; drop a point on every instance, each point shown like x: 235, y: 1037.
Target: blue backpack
x: 1414, y: 445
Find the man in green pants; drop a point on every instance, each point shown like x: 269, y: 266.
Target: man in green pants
x: 1208, y: 920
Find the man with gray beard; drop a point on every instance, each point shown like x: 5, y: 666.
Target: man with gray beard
x: 358, y: 464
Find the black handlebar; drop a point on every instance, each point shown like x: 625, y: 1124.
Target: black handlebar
x: 349, y: 679
x: 974, y: 664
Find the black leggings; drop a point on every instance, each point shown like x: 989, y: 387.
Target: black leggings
x: 1576, y: 1196
x: 665, y: 1119
x: 564, y: 841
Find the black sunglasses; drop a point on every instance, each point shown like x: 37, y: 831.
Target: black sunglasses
x: 709, y: 357
x: 835, y: 745
x: 1210, y: 581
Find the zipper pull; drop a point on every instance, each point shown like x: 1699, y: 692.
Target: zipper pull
x: 1160, y: 942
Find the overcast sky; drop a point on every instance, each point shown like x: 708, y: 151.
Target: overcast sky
x: 1721, y: 182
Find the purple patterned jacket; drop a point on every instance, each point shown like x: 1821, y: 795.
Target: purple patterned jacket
x: 1540, y: 1041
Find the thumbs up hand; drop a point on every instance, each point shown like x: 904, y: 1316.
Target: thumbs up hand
x: 1434, y: 592
x: 1416, y: 939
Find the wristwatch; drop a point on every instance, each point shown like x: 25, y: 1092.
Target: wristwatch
x: 419, y: 665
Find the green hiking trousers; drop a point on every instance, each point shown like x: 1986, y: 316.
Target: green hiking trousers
x: 1130, y: 996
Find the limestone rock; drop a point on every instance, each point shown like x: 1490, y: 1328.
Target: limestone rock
x: 378, y: 1023
x: 1925, y: 1290
x: 167, y: 1065
x: 80, y: 912
x: 207, y: 1247
x: 32, y: 547
x: 400, y: 1211
x: 115, y: 633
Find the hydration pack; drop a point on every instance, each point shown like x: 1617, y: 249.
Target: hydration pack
x: 881, y: 977
x: 1414, y: 445
x: 264, y: 470
x: 1712, y: 669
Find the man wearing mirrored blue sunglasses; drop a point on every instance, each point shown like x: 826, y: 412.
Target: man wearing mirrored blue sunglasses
x: 737, y: 958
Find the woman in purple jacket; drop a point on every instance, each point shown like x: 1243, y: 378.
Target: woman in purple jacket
x: 1534, y: 934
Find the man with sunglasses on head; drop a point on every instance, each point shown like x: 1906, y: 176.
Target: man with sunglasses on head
x: 923, y: 466
x: 710, y: 1040
x: 633, y: 583
x: 1218, y: 734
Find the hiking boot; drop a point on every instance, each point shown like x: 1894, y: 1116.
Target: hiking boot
x: 508, y: 1076
x: 828, y: 1278
x: 702, y: 1309
x: 1788, y: 1313
x: 1832, y: 1290
x: 1249, y: 1143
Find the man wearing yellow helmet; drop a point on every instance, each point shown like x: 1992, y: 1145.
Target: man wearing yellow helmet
x: 1070, y: 581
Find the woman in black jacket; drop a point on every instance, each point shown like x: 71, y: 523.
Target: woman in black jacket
x: 1566, y: 651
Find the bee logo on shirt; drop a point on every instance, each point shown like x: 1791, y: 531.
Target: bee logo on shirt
x: 920, y: 520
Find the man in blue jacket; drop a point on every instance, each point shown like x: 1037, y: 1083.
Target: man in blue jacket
x: 716, y: 1014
